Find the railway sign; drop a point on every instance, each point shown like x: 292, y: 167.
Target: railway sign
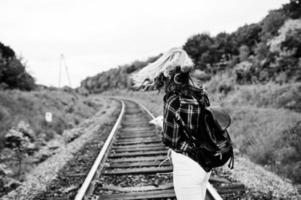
x: 48, y: 117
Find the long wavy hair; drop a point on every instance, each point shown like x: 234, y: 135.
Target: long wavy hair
x: 178, y: 83
x: 162, y: 68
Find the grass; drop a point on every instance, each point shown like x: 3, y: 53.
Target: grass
x: 265, y: 118
x: 286, y: 96
x: 222, y: 89
x: 259, y: 133
x: 68, y: 109
x: 96, y: 127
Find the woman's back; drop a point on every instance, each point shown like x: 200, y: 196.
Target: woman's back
x: 185, y: 106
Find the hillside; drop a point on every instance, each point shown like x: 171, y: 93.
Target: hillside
x: 117, y: 78
x: 257, y: 53
x: 27, y: 139
x: 41, y: 127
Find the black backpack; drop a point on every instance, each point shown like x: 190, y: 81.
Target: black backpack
x: 211, y: 144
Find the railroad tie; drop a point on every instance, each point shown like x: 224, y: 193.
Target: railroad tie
x: 140, y: 170
x: 139, y: 195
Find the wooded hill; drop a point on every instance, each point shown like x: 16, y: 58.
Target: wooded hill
x: 13, y: 74
x: 114, y: 78
x: 269, y: 50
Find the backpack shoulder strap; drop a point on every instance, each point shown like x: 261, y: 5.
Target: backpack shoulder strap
x: 189, y: 136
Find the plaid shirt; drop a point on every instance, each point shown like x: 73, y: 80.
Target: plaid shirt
x: 188, y: 108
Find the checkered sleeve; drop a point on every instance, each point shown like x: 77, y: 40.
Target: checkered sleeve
x: 172, y: 133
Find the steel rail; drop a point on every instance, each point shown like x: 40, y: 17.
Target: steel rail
x: 85, y: 186
x: 212, y: 191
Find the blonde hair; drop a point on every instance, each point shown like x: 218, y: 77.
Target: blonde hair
x: 164, y: 65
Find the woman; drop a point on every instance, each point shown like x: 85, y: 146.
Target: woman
x: 184, y: 96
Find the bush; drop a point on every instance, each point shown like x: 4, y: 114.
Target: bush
x: 272, y: 22
x: 296, y: 174
x: 248, y: 35
x: 221, y: 84
x: 293, y: 42
x: 13, y: 74
x: 289, y: 152
x: 293, y: 9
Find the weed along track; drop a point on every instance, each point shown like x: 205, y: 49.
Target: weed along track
x: 130, y: 164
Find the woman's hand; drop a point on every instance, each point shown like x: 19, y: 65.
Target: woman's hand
x: 158, y: 122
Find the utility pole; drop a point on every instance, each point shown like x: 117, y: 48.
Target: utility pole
x: 63, y: 64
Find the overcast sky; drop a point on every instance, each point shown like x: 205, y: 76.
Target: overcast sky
x: 95, y: 35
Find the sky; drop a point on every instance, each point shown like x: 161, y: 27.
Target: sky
x: 96, y: 35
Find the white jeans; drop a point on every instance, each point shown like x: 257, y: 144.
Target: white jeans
x: 189, y: 178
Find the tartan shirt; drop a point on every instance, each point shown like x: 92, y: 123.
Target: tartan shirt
x: 187, y: 108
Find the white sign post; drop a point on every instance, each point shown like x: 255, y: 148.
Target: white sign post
x: 48, y: 117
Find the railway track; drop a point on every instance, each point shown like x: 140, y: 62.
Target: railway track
x: 129, y: 166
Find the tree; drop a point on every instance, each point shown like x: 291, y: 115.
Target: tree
x: 271, y: 23
x: 13, y: 72
x: 26, y: 82
x: 262, y: 51
x: 293, y: 42
x: 6, y: 51
x: 14, y: 75
x: 225, y: 44
x: 293, y: 9
x: 244, y: 52
x: 248, y: 35
x: 114, y: 78
x: 199, y: 48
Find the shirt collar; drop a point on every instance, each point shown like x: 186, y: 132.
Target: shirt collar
x: 188, y: 100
